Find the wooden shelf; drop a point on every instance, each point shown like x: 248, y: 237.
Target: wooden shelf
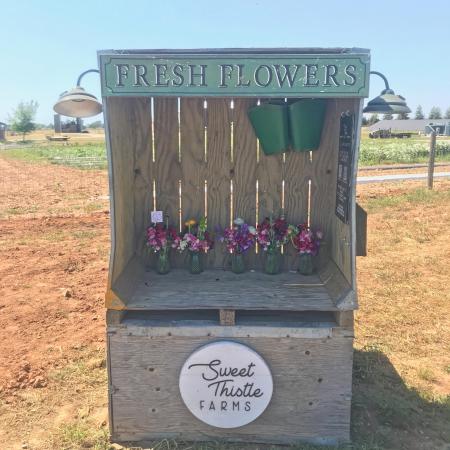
x: 220, y: 289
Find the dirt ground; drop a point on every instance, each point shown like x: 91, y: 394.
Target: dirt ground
x: 54, y: 243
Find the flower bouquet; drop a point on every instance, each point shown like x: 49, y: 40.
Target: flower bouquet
x: 238, y: 239
x: 272, y: 235
x: 307, y: 243
x: 161, y: 238
x: 196, y: 240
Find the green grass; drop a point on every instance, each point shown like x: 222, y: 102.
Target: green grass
x: 79, y: 435
x: 372, y: 152
x: 413, y: 197
x: 69, y: 155
x: 390, y: 151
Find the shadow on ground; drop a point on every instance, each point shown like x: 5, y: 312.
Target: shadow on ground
x: 386, y: 415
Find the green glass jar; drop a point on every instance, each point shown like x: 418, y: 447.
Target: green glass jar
x: 305, y: 264
x: 237, y: 263
x: 195, y: 264
x: 272, y: 263
x: 162, y: 261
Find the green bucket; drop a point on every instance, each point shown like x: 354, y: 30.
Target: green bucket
x: 270, y: 122
x: 306, y: 118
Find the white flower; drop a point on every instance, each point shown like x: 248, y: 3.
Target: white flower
x: 238, y: 221
x: 252, y: 230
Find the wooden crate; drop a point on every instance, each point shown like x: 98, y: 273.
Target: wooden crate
x: 310, y: 358
x: 192, y: 155
x: 195, y: 157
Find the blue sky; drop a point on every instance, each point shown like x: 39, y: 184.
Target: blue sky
x: 46, y: 44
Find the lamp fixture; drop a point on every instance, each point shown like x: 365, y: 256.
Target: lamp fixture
x: 77, y: 102
x: 387, y: 102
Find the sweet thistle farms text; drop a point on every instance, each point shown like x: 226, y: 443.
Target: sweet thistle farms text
x: 228, y: 386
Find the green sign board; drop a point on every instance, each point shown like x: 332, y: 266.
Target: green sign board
x: 227, y: 74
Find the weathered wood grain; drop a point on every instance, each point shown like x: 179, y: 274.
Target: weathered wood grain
x: 168, y: 172
x: 269, y: 173
x: 311, y: 399
x: 130, y: 150
x: 244, y: 168
x: 218, y: 166
x: 192, y: 130
x: 227, y: 317
x: 296, y: 176
x: 167, y: 162
x: 323, y: 189
x: 219, y: 289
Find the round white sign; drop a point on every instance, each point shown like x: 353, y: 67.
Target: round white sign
x: 226, y: 384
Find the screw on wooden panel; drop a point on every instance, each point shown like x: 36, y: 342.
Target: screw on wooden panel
x: 153, y: 410
x: 157, y: 389
x: 288, y: 336
x: 328, y: 171
x: 169, y: 334
x: 307, y: 352
x: 319, y: 380
x: 151, y: 369
x: 310, y: 403
x: 137, y: 171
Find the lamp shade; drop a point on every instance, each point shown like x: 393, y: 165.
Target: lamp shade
x: 387, y: 102
x: 77, y: 103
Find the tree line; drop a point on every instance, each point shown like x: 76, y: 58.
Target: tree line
x: 435, y: 113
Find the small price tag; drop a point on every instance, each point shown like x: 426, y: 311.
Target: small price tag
x: 157, y: 216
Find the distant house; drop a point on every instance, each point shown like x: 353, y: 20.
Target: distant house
x: 2, y: 131
x: 422, y: 126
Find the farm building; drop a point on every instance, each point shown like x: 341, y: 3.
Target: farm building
x: 3, y: 127
x: 422, y: 126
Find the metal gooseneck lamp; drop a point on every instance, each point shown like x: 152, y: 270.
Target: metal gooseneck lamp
x: 77, y: 102
x: 387, y: 102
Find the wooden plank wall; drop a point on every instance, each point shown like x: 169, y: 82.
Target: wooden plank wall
x: 131, y: 177
x: 323, y: 190
x: 205, y: 161
x: 311, y: 397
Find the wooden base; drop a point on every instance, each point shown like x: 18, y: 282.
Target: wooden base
x: 310, y: 359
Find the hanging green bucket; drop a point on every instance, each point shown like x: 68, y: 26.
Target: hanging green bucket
x: 306, y: 118
x: 270, y: 122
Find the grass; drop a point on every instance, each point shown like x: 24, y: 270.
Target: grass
x: 84, y: 156
x: 411, y: 198
x: 79, y: 435
x: 391, y: 151
x: 372, y: 152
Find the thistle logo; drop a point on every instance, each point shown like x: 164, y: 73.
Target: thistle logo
x: 226, y: 384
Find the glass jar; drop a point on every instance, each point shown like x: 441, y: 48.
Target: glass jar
x: 237, y: 263
x: 195, y: 264
x: 305, y: 264
x: 272, y: 264
x: 162, y: 261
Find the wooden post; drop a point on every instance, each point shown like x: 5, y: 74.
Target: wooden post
x: 431, y: 160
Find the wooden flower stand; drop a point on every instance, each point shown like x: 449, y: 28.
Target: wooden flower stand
x: 180, y: 141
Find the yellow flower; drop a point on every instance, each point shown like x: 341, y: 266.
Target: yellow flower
x: 190, y: 222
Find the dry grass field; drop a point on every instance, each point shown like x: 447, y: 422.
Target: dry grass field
x: 54, y: 243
